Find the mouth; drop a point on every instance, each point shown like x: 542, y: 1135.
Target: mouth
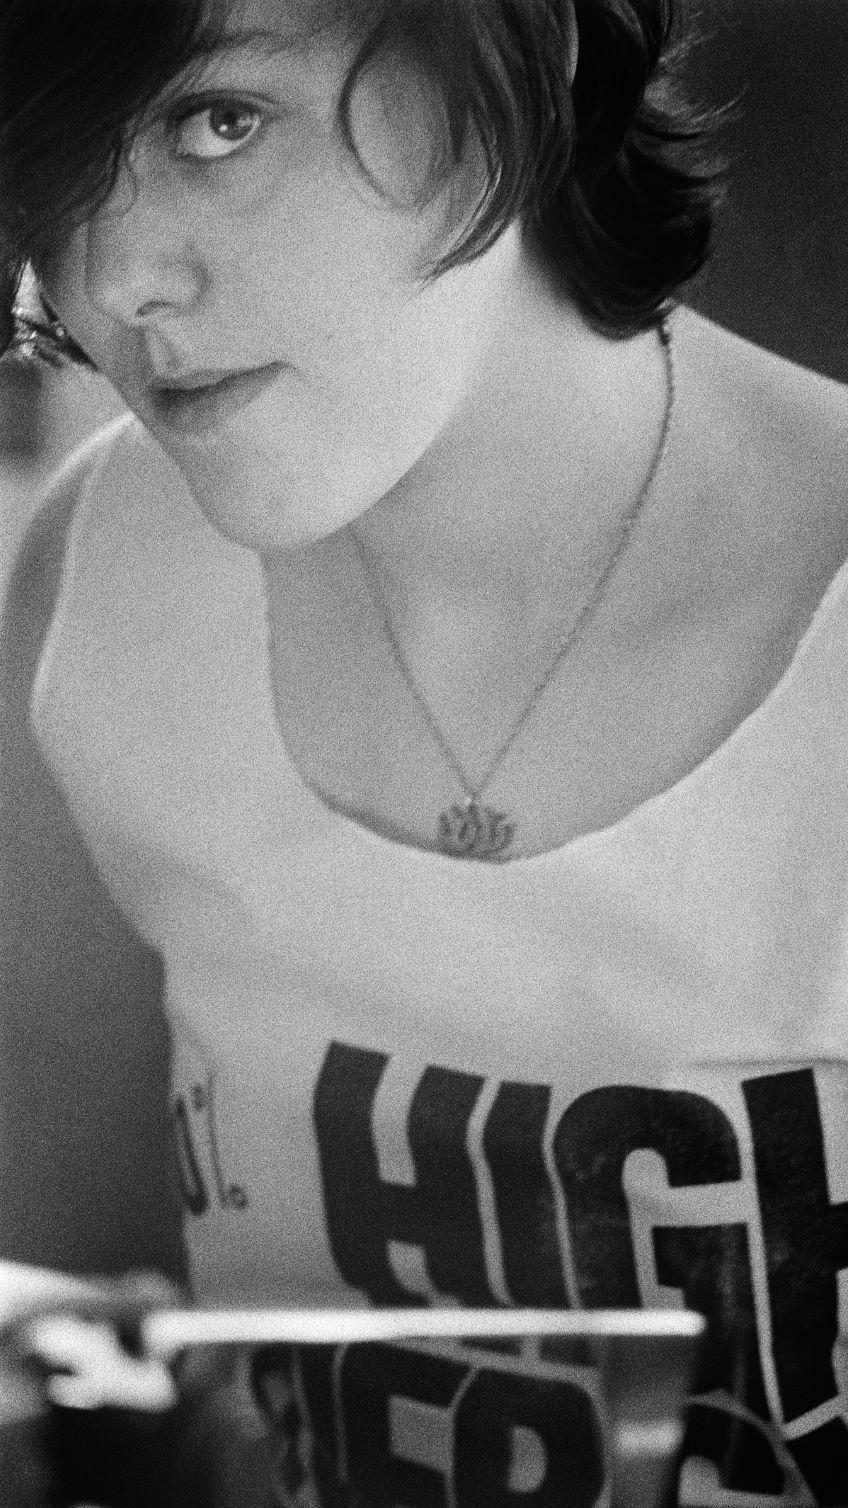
x: 205, y: 400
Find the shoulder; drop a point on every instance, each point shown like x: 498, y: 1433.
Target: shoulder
x: 792, y: 421
x: 768, y: 441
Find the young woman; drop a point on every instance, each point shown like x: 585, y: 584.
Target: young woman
x: 445, y: 672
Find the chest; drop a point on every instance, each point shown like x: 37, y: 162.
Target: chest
x: 562, y: 733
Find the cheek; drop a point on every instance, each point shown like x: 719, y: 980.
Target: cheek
x: 338, y: 282
x: 322, y: 251
x: 320, y: 448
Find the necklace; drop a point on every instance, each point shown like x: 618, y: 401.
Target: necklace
x: 470, y: 829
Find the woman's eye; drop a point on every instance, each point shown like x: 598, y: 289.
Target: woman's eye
x: 217, y: 130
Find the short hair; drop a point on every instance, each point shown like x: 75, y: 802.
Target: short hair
x: 615, y: 175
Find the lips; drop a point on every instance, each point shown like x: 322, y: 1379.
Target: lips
x: 205, y: 400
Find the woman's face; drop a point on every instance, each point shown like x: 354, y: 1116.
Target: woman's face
x: 243, y: 238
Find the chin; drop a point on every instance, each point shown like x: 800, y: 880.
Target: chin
x: 264, y: 502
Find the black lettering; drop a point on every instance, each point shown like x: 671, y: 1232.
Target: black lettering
x: 805, y: 1236
x: 371, y: 1376
x: 192, y: 1182
x: 592, y: 1142
x: 561, y: 1416
x: 513, y: 1144
x: 439, y: 1213
x: 316, y: 1366
x: 741, y: 1450
x: 569, y: 1351
x: 272, y: 1376
x: 806, y: 1245
x: 822, y: 1458
x: 711, y: 1266
x: 448, y: 1225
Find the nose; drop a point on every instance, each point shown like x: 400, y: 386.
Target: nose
x: 142, y: 264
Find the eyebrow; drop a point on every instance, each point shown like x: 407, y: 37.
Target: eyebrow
x: 256, y: 39
x: 263, y: 42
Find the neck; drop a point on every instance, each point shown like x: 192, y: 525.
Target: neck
x: 532, y: 473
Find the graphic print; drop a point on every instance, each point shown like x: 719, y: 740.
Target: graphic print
x: 726, y: 1191
x: 199, y: 1162
x: 740, y: 1222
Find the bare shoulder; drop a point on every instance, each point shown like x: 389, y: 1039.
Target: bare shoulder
x: 782, y: 409
x: 774, y: 435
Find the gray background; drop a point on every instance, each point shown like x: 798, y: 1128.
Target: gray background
x: 780, y: 270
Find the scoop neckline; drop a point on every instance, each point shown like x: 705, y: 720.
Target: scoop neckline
x: 679, y: 790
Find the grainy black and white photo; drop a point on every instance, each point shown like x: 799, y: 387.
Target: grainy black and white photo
x: 424, y: 753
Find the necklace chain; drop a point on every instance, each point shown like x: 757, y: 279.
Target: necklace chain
x: 474, y: 789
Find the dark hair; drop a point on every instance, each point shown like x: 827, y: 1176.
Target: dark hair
x: 615, y: 174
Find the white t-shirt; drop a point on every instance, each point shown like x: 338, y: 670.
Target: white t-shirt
x: 613, y: 1074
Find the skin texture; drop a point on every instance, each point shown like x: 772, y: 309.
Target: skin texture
x: 746, y: 530
x: 283, y: 251
x: 482, y: 438
x: 468, y: 406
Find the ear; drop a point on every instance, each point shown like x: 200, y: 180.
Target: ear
x: 572, y: 37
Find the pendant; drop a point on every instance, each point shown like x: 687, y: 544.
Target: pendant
x: 472, y: 831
